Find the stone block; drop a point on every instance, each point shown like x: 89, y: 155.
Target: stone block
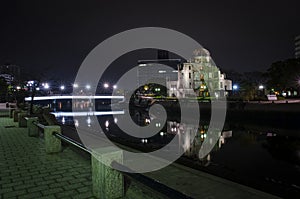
x: 15, y: 115
x: 32, y: 128
x: 108, y: 183
x: 11, y: 112
x: 52, y: 144
x: 21, y: 119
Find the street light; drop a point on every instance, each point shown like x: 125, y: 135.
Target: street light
x: 114, y: 86
x: 88, y: 87
x: 62, y: 87
x: 260, y: 87
x: 46, y: 86
x: 235, y: 87
x: 105, y: 85
x: 75, y: 85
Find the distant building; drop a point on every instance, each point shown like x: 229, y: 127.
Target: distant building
x: 7, y: 78
x: 297, y: 46
x: 161, y: 70
x: 10, y: 72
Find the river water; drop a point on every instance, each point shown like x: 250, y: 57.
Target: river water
x: 262, y: 157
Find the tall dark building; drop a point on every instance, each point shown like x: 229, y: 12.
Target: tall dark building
x: 297, y: 46
x: 10, y: 70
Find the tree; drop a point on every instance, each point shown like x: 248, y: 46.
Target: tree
x: 3, y: 89
x: 247, y: 82
x: 284, y: 74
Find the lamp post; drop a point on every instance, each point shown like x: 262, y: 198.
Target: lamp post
x: 75, y: 85
x: 46, y: 87
x: 261, y: 88
x: 235, y: 87
x: 62, y: 88
x: 105, y: 85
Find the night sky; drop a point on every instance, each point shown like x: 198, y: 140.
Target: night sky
x: 50, y: 36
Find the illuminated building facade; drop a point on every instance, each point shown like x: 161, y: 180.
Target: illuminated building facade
x: 200, y: 76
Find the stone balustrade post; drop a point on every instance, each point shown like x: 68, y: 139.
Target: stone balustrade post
x: 15, y: 115
x: 52, y: 143
x: 108, y: 183
x: 32, y: 128
x: 21, y: 119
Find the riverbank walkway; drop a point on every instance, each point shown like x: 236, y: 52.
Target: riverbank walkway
x: 26, y: 171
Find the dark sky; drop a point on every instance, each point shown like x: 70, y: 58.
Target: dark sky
x: 51, y: 36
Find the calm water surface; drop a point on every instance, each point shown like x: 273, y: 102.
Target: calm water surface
x: 263, y: 157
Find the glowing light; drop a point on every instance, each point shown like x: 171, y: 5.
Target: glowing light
x: 62, y: 87
x: 173, y: 129
x: 144, y: 141
x: 260, y: 87
x: 147, y: 121
x: 161, y: 133
x: 235, y: 87
x: 114, y: 86
x: 106, y: 123
x: 46, y: 86
x: 75, y: 85
x: 89, y: 121
x: 217, y: 96
x: 37, y: 89
x: 18, y: 87
x: 88, y: 87
x: 76, y: 123
x: 105, y: 85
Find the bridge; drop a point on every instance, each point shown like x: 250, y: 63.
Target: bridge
x: 70, y: 97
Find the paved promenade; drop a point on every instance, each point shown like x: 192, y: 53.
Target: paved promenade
x: 26, y: 171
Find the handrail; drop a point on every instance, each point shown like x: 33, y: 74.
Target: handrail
x: 38, y: 124
x: 71, y: 141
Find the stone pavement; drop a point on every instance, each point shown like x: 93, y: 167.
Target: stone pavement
x: 26, y: 171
